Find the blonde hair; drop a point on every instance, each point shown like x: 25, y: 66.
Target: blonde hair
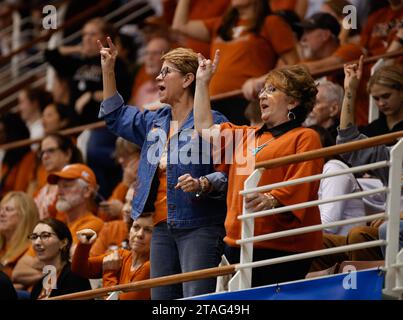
x: 28, y: 218
x: 388, y: 76
x: 296, y: 82
x: 125, y: 147
x: 185, y: 60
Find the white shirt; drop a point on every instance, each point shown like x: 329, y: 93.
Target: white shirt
x: 337, y: 186
x: 36, y: 131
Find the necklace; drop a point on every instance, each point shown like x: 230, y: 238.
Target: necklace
x: 258, y: 148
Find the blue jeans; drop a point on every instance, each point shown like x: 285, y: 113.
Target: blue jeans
x: 176, y: 251
x: 382, y: 235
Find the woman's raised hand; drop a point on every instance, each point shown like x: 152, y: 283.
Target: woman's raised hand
x: 86, y: 236
x: 353, y: 74
x: 207, y: 68
x: 108, y: 55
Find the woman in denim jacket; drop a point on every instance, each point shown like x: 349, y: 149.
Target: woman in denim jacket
x: 189, y: 227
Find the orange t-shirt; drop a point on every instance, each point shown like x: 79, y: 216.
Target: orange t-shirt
x: 140, y: 78
x: 19, y: 176
x: 160, y: 204
x: 297, y: 140
x: 348, y: 52
x: 9, y: 265
x: 92, y: 268
x: 247, y: 55
x: 87, y: 221
x: 112, y: 233
x: 277, y: 5
x: 380, y: 29
x: 119, y: 193
x: 198, y: 10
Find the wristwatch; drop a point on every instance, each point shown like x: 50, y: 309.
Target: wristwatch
x: 273, y: 201
x: 204, y: 186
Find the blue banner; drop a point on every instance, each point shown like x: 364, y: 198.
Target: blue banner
x: 358, y: 285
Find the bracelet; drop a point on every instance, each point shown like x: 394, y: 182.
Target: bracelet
x: 274, y: 202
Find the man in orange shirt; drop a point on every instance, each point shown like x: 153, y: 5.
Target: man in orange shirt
x: 77, y: 187
x: 320, y: 48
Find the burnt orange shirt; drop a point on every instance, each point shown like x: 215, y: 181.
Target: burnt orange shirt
x: 19, y: 176
x: 277, y: 5
x: 92, y: 268
x: 87, y: 221
x: 160, y: 204
x: 380, y: 29
x: 9, y: 265
x: 348, y: 52
x: 248, y: 55
x: 119, y: 193
x: 112, y: 233
x: 200, y: 10
x: 140, y: 78
x: 297, y: 140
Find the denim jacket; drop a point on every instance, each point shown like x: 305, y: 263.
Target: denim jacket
x: 150, y: 131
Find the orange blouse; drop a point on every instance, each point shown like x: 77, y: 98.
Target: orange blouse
x: 92, y: 268
x: 297, y: 140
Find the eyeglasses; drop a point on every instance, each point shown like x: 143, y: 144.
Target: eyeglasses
x: 44, y: 236
x: 48, y: 151
x: 267, y: 90
x: 165, y: 70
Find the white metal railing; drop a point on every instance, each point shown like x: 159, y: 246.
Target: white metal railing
x: 394, y: 271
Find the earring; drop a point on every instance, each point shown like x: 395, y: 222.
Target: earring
x: 291, y: 115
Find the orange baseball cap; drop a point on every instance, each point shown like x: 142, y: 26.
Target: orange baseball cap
x: 74, y: 171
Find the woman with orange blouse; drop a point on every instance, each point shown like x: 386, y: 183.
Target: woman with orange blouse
x: 288, y: 96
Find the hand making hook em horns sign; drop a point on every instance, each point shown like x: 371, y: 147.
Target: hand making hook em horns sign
x: 207, y: 68
x: 108, y: 55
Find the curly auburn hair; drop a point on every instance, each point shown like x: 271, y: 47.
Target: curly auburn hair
x: 296, y: 82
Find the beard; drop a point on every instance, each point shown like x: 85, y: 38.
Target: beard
x: 306, y: 53
x: 63, y: 205
x: 69, y: 202
x: 310, y: 121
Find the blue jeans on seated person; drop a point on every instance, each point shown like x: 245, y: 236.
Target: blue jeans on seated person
x: 175, y: 251
x: 382, y: 235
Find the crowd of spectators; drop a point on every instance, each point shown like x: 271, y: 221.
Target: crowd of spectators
x: 95, y: 207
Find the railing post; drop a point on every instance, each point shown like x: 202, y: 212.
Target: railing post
x: 243, y: 278
x: 393, y: 212
x: 373, y: 112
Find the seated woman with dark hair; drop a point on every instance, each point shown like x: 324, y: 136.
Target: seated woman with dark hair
x: 51, y: 240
